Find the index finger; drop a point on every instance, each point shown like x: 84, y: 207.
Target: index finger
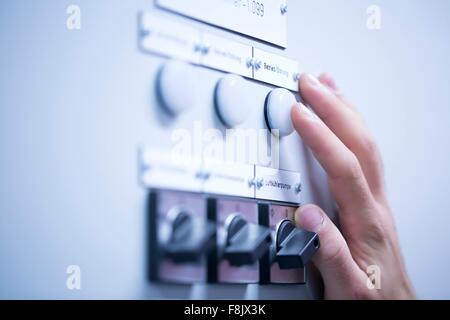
x: 346, y: 177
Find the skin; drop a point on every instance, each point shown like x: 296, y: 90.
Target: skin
x: 341, y: 143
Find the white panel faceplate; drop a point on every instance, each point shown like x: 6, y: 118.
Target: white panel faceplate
x: 275, y: 69
x: 226, y: 55
x: 231, y: 179
x: 278, y: 185
x: 261, y: 19
x: 161, y: 170
x: 168, y: 38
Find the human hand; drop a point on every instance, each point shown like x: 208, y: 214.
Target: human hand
x: 345, y: 149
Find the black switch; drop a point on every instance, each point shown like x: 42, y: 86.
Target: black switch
x: 191, y: 239
x: 295, y: 246
x: 246, y: 242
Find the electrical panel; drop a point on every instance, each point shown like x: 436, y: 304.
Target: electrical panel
x: 216, y: 218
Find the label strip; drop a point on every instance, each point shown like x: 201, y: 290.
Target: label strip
x: 173, y: 39
x: 159, y: 169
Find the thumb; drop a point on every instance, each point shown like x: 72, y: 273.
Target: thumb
x: 341, y: 275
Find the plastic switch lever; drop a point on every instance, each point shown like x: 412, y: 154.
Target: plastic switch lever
x: 191, y: 238
x: 246, y: 242
x: 295, y: 246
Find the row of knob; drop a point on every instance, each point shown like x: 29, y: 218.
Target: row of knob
x: 231, y: 102
x: 245, y: 243
x: 224, y: 244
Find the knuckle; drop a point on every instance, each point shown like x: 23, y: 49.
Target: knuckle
x: 376, y: 235
x: 348, y: 170
x: 369, y: 146
x: 336, y: 257
x: 353, y: 168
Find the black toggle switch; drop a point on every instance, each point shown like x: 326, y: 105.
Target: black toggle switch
x: 191, y: 238
x: 295, y: 246
x: 246, y: 242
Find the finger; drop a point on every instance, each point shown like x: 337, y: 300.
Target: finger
x: 348, y: 127
x: 344, y: 172
x: 341, y: 274
x: 328, y: 80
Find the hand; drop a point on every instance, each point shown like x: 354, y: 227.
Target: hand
x: 343, y: 146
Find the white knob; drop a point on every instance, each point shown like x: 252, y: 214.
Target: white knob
x: 231, y: 99
x: 278, y: 111
x: 177, y: 86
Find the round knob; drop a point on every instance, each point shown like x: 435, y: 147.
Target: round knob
x: 232, y: 104
x: 177, y: 86
x: 278, y: 111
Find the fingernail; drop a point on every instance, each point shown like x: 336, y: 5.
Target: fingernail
x: 312, y: 80
x: 307, y: 111
x: 315, y: 84
x: 310, y: 218
x: 330, y: 82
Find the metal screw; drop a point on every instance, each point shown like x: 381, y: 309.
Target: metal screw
x: 250, y: 62
x: 203, y: 175
x: 202, y: 48
x: 283, y: 8
x: 259, y: 183
x: 145, y: 33
x: 205, y: 48
x: 146, y: 167
x: 257, y: 65
x: 198, y: 47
